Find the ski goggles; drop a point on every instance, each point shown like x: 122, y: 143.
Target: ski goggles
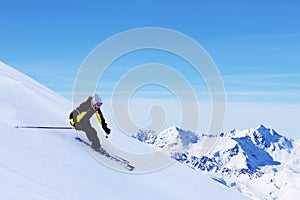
x: 98, y: 104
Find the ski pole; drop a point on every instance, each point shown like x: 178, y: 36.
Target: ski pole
x: 45, y: 127
x: 49, y: 127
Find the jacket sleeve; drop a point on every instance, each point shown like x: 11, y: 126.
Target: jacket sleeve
x: 101, y: 119
x: 82, y: 107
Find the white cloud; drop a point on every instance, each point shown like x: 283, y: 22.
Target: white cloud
x: 282, y: 117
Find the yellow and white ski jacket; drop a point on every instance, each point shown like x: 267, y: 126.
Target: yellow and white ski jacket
x: 84, y: 112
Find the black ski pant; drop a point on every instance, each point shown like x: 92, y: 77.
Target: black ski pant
x: 91, y: 133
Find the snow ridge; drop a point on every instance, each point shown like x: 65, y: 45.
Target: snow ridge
x: 51, y: 164
x: 258, y: 162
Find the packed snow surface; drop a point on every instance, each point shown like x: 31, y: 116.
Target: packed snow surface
x: 50, y: 164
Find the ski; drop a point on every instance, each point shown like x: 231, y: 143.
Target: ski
x: 125, y: 163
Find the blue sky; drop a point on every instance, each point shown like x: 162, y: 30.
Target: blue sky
x: 255, y: 44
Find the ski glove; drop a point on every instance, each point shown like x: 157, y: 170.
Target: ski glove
x: 78, y: 127
x: 107, y: 130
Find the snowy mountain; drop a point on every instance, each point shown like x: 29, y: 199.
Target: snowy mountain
x: 259, y: 162
x: 50, y: 164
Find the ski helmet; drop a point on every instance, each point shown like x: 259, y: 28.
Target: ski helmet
x: 96, y: 100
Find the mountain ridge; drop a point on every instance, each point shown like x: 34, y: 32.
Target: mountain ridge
x: 260, y: 156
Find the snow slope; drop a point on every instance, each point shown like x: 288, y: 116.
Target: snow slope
x: 259, y: 162
x: 50, y: 164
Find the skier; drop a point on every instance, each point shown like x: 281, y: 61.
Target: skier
x: 80, y: 119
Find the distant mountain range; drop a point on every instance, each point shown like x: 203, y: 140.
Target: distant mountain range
x: 259, y: 162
